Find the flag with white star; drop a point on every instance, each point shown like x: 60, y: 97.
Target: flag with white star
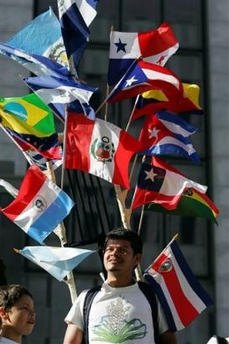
x: 143, y: 76
x: 165, y: 133
x: 155, y: 46
x: 162, y: 184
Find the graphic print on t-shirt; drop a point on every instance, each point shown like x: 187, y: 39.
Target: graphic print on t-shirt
x: 114, y: 327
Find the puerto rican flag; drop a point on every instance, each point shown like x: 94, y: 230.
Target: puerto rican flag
x: 40, y: 205
x: 155, y: 46
x: 181, y: 295
x: 142, y: 76
x: 99, y: 148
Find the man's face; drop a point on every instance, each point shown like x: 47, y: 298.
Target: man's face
x: 119, y: 256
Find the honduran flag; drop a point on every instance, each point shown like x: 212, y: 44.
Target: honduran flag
x: 155, y: 46
x: 100, y: 148
x: 166, y: 133
x: 57, y: 261
x: 162, y: 184
x: 181, y: 295
x: 57, y: 93
x: 40, y: 205
x: 143, y: 76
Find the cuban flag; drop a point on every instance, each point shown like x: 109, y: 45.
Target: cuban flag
x: 40, y: 205
x: 37, y: 64
x: 181, y: 295
x: 143, y: 76
x: 57, y: 93
x: 99, y: 148
x: 46, y: 30
x: 162, y: 184
x: 155, y: 46
x: 166, y: 133
x: 57, y: 261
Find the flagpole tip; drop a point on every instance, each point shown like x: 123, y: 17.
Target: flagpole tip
x: 16, y: 250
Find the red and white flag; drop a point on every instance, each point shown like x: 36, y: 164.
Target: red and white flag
x: 162, y: 184
x: 181, y: 295
x: 155, y: 46
x: 100, y: 148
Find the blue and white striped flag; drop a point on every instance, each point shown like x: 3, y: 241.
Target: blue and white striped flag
x: 57, y: 261
x: 57, y: 93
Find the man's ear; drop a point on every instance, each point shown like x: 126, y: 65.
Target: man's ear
x: 3, y: 313
x: 137, y: 258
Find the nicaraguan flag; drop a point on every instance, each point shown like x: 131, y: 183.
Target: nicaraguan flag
x: 40, y: 205
x: 181, y: 295
x: 57, y: 261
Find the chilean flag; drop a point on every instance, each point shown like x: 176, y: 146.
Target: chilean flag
x: 100, y: 148
x: 162, y: 184
x: 155, y: 46
x: 181, y: 295
x: 143, y: 76
x: 40, y: 205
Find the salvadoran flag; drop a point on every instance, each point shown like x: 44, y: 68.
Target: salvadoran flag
x: 40, y: 205
x: 46, y: 30
x: 57, y: 261
x: 100, y: 148
x: 57, y: 92
x: 155, y: 46
x: 37, y: 64
x: 181, y: 295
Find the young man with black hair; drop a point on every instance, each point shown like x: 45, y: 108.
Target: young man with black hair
x: 119, y: 311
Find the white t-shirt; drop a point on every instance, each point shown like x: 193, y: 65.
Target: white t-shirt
x: 4, y: 340
x: 120, y: 313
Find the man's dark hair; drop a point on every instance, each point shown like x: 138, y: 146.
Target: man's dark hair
x: 122, y: 233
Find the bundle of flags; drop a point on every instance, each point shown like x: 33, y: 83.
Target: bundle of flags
x: 136, y: 69
x: 181, y: 295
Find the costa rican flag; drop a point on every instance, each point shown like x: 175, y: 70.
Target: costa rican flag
x: 179, y: 292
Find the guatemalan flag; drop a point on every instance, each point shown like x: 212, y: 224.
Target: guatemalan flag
x: 57, y: 261
x: 166, y: 133
x: 143, y: 76
x: 57, y: 93
x: 155, y: 46
x: 162, y: 184
x: 40, y: 205
x: 46, y: 30
x: 181, y: 295
x: 100, y: 148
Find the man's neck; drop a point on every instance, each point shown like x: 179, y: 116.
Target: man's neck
x: 118, y: 282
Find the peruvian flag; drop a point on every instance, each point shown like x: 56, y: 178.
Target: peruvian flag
x: 162, y: 184
x: 155, y: 46
x: 181, y: 295
x: 100, y: 148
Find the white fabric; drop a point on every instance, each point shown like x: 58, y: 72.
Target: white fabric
x: 213, y: 340
x: 121, y: 312
x: 4, y: 340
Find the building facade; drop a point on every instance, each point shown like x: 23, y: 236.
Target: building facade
x: 202, y: 28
